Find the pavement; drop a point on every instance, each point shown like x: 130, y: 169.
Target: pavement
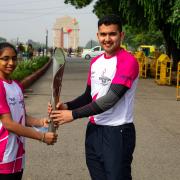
x: 157, y: 121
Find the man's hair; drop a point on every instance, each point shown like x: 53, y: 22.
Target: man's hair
x: 4, y: 45
x: 110, y: 19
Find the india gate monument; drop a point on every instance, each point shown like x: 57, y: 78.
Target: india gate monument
x: 66, y: 27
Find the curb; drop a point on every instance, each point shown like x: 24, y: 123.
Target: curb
x: 28, y: 81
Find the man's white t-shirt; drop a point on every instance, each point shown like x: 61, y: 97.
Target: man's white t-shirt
x: 120, y: 69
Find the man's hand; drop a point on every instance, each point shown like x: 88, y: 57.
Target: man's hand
x: 60, y: 106
x: 61, y: 116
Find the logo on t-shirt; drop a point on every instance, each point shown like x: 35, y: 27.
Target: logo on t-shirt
x: 104, y: 79
x: 12, y: 101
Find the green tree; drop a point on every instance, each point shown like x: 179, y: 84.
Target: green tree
x: 134, y: 38
x: 147, y: 15
x: 2, y: 39
x: 91, y: 44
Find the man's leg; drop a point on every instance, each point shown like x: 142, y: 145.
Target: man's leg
x: 93, y: 146
x: 118, y: 147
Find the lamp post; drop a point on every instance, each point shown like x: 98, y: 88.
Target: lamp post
x: 46, y: 42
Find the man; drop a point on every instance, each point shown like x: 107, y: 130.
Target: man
x: 108, y: 102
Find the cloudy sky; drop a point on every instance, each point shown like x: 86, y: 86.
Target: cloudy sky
x: 29, y: 19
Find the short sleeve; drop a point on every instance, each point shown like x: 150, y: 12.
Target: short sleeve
x: 127, y: 71
x: 20, y: 85
x: 4, y: 108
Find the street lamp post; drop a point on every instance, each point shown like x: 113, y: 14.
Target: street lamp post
x: 46, y: 42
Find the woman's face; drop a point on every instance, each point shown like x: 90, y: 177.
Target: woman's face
x: 8, y: 62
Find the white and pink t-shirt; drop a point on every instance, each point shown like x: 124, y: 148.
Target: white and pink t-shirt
x: 119, y: 69
x: 12, y: 151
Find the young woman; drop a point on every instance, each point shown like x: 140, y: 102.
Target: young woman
x: 14, y: 120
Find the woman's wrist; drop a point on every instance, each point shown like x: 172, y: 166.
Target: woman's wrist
x: 42, y: 124
x: 43, y: 137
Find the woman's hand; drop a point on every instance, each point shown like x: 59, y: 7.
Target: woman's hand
x: 61, y: 116
x: 44, y: 122
x: 49, y: 138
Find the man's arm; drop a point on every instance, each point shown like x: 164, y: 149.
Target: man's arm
x: 102, y: 104
x: 82, y: 100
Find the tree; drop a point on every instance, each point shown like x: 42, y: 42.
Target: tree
x: 35, y: 45
x: 2, y: 39
x: 147, y: 15
x: 134, y: 38
x: 91, y: 44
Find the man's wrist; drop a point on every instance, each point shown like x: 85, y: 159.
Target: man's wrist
x: 66, y: 106
x: 74, y: 114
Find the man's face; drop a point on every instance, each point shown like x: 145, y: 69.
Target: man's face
x: 110, y: 38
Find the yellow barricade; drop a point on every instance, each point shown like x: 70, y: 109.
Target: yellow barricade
x: 178, y: 82
x: 163, y: 70
x: 143, y: 63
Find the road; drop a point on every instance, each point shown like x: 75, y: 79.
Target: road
x: 157, y: 121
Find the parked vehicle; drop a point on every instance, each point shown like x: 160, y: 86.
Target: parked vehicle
x: 93, y: 52
x: 147, y: 49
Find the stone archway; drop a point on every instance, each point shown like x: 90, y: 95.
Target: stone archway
x: 66, y: 27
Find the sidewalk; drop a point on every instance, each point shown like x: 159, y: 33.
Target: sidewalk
x: 157, y: 120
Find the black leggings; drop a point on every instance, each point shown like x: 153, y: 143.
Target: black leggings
x: 14, y: 176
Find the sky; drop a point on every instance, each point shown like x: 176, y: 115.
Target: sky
x: 29, y: 19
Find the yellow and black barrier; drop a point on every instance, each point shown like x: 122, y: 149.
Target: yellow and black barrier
x: 143, y: 63
x: 163, y: 70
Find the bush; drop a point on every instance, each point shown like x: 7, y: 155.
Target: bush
x: 27, y: 67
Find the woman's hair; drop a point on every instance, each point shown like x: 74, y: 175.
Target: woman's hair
x: 4, y: 45
x: 111, y: 19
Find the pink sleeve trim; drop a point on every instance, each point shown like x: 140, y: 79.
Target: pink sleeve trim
x: 20, y: 85
x: 127, y: 69
x: 4, y: 108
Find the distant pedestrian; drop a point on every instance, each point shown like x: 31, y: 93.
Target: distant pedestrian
x: 20, y: 51
x: 15, y: 124
x: 30, y: 51
x: 39, y: 51
x: 69, y: 52
x: 51, y: 51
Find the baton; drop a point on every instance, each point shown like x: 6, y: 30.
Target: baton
x: 58, y: 70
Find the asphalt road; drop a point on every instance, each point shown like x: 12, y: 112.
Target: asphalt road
x: 157, y: 121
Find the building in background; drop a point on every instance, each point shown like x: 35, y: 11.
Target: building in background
x: 66, y: 33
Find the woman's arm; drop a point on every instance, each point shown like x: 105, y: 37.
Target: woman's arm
x: 14, y: 127
x: 31, y: 121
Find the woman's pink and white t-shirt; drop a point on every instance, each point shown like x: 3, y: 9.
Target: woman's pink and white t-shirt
x: 11, y: 145
x: 119, y: 69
